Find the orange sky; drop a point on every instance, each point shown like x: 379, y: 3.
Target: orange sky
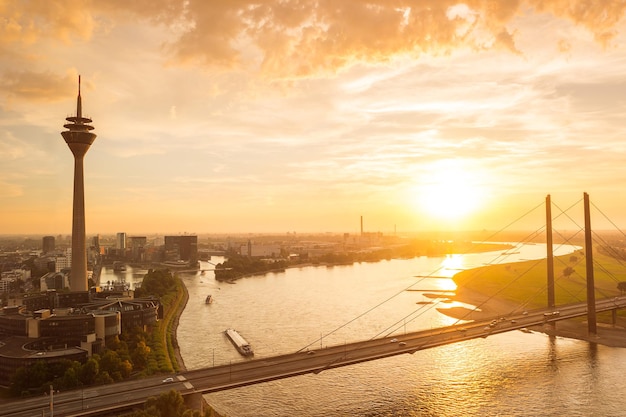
x: 244, y: 116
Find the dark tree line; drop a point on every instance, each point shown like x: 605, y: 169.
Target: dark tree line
x: 237, y: 265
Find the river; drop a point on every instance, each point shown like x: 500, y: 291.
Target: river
x: 511, y: 374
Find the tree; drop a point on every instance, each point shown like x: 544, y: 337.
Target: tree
x: 90, y: 370
x: 568, y: 271
x: 120, y: 347
x: 70, y: 379
x: 621, y: 286
x: 104, y: 378
x: 29, y: 378
x: 168, y: 404
x: 156, y: 282
x: 140, y: 355
x: 115, y: 367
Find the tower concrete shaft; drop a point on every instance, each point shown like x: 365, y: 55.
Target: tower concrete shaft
x: 78, y: 138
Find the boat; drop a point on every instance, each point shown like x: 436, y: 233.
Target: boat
x: 239, y: 342
x: 177, y: 264
x: 208, y: 299
x: 119, y: 267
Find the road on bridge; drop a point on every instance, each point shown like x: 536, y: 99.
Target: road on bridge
x: 283, y: 366
x: 93, y: 399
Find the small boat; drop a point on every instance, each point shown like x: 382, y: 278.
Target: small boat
x: 176, y: 264
x: 119, y: 267
x: 208, y: 299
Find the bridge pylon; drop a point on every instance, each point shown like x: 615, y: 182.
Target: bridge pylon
x: 591, y: 298
x: 550, y: 253
x: 591, y: 295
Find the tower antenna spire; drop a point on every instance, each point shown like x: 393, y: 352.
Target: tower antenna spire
x: 79, y: 104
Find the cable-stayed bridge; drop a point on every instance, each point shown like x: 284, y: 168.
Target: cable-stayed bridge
x: 102, y: 399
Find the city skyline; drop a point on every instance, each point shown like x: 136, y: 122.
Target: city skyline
x: 234, y: 118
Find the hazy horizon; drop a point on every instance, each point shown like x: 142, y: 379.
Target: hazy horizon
x: 244, y: 117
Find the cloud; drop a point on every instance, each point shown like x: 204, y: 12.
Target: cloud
x: 294, y: 38
x: 599, y: 17
x: 38, y: 86
x: 25, y: 22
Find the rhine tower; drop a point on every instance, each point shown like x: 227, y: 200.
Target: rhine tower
x: 79, y: 138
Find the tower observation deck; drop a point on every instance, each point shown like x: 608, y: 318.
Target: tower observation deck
x: 78, y: 138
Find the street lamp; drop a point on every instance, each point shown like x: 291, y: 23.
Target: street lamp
x: 51, y: 401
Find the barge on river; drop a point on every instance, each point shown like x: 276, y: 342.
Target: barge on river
x: 239, y: 342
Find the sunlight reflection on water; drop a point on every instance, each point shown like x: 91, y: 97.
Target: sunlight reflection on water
x: 281, y: 313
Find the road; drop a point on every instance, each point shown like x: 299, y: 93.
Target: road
x: 89, y: 400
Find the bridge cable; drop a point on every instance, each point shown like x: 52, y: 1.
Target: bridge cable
x: 415, y: 283
x: 511, y: 283
x: 402, y: 322
x: 575, y: 296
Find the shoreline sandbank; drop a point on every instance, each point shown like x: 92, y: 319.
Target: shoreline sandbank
x: 489, y: 307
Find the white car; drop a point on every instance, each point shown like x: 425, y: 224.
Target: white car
x: 166, y: 380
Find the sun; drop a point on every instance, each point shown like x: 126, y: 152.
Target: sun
x: 449, y: 191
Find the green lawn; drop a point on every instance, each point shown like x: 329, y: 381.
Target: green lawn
x: 525, y: 283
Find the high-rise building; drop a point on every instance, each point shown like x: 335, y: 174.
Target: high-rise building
x: 184, y: 247
x: 48, y: 244
x: 78, y: 138
x: 95, y: 242
x: 120, y: 241
x: 137, y: 247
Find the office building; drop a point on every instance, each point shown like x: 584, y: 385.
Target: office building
x: 181, y: 248
x: 137, y: 248
x: 48, y: 244
x: 120, y: 242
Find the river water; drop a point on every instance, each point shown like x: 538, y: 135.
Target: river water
x: 512, y: 374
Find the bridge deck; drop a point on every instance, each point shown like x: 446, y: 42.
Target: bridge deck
x: 94, y: 400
